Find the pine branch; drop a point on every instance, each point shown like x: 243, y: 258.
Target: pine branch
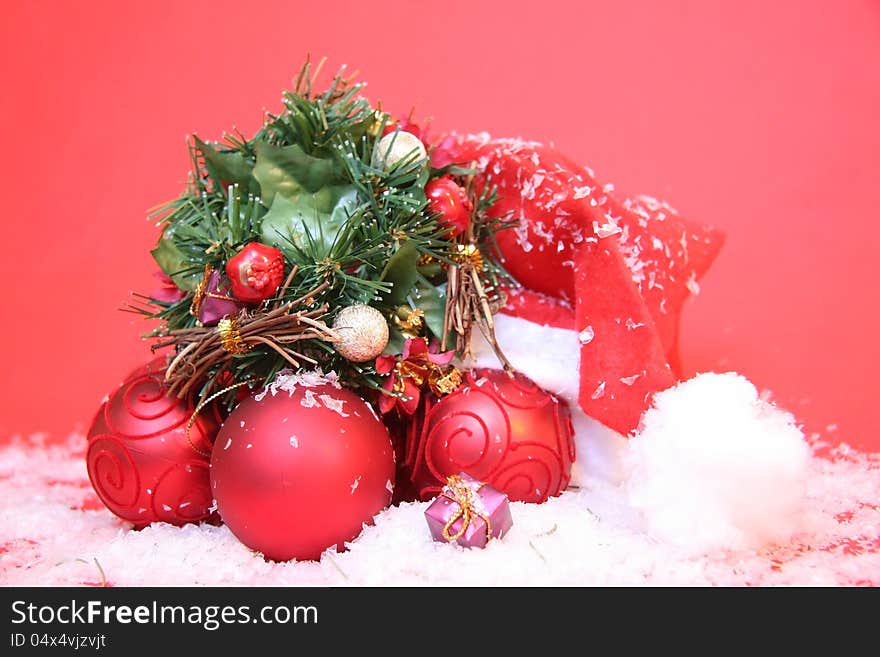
x: 332, y: 260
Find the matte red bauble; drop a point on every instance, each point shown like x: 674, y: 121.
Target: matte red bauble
x: 138, y: 457
x: 302, y: 470
x: 503, y: 430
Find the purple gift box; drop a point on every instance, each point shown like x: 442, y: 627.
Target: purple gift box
x: 468, y: 512
x: 217, y: 301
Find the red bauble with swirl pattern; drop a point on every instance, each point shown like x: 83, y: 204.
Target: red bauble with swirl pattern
x: 301, y: 470
x: 503, y: 430
x: 139, y: 460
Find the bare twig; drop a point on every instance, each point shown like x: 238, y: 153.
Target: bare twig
x: 467, y: 303
x: 276, y: 327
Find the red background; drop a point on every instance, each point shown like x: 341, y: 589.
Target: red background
x: 761, y: 118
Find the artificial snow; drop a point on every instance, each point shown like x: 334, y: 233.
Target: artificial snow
x: 715, y: 467
x: 309, y: 400
x: 586, y: 336
x: 717, y: 487
x: 333, y: 404
x: 287, y: 381
x: 53, y: 531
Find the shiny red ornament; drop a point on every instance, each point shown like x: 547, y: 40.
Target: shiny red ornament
x: 503, y: 430
x: 295, y: 473
x: 256, y: 272
x: 139, y: 460
x: 448, y: 198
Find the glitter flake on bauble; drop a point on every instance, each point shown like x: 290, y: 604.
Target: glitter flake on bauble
x: 139, y: 460
x: 500, y: 429
x: 301, y: 467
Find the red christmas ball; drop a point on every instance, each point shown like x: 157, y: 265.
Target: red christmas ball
x: 505, y: 431
x: 256, y: 272
x: 139, y: 460
x: 448, y: 198
x: 301, y: 470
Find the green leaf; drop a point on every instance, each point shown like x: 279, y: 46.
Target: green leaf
x: 431, y: 270
x: 289, y: 171
x: 431, y: 300
x: 396, y: 342
x: 173, y: 262
x: 319, y: 216
x: 228, y: 167
x: 401, y: 272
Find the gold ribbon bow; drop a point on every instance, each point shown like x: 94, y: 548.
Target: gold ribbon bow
x: 459, y: 491
x: 230, y: 336
x: 201, y: 293
x: 441, y: 379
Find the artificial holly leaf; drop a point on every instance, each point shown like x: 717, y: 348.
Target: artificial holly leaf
x: 431, y: 269
x: 228, y: 167
x: 309, y: 221
x: 431, y: 300
x: 401, y: 271
x: 289, y: 171
x: 396, y: 342
x: 175, y: 264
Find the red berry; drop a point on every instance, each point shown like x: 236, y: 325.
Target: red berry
x: 255, y: 272
x: 448, y: 198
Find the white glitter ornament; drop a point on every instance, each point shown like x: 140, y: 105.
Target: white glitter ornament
x: 397, y: 146
x: 364, y: 333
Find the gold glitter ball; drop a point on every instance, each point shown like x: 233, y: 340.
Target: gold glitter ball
x: 397, y: 146
x: 364, y: 333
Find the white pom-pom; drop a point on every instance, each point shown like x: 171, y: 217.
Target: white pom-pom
x: 364, y: 333
x: 399, y: 146
x: 716, y: 467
